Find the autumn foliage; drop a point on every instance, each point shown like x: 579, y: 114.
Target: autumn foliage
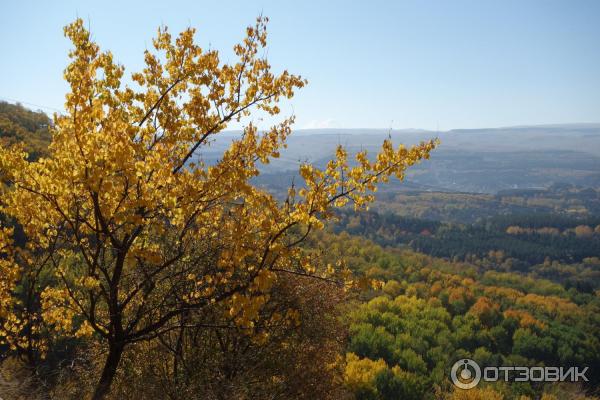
x: 129, y: 236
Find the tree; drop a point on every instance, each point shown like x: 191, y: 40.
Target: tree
x: 487, y: 311
x: 283, y: 359
x: 583, y: 231
x: 486, y: 393
x: 139, y: 232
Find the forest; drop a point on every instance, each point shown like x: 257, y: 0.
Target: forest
x: 511, y: 288
x: 133, y: 265
x: 428, y: 312
x: 20, y: 125
x: 561, y: 248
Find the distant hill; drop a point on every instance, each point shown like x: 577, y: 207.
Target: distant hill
x: 18, y: 124
x: 468, y: 160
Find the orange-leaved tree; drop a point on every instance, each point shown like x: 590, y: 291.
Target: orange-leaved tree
x: 136, y: 230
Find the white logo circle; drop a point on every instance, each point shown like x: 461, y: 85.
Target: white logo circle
x: 469, y: 376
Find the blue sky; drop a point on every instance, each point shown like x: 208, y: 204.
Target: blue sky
x: 375, y: 64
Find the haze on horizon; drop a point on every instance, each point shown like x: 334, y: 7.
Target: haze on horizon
x: 433, y: 65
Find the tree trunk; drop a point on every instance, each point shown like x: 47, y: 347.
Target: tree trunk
x: 108, y: 373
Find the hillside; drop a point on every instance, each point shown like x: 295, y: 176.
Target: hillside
x: 467, y: 160
x: 430, y: 312
x: 506, y: 278
x: 21, y: 125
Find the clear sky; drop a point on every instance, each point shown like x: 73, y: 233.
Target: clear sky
x: 421, y: 64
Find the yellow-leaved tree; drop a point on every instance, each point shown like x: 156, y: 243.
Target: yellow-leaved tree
x: 134, y: 229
